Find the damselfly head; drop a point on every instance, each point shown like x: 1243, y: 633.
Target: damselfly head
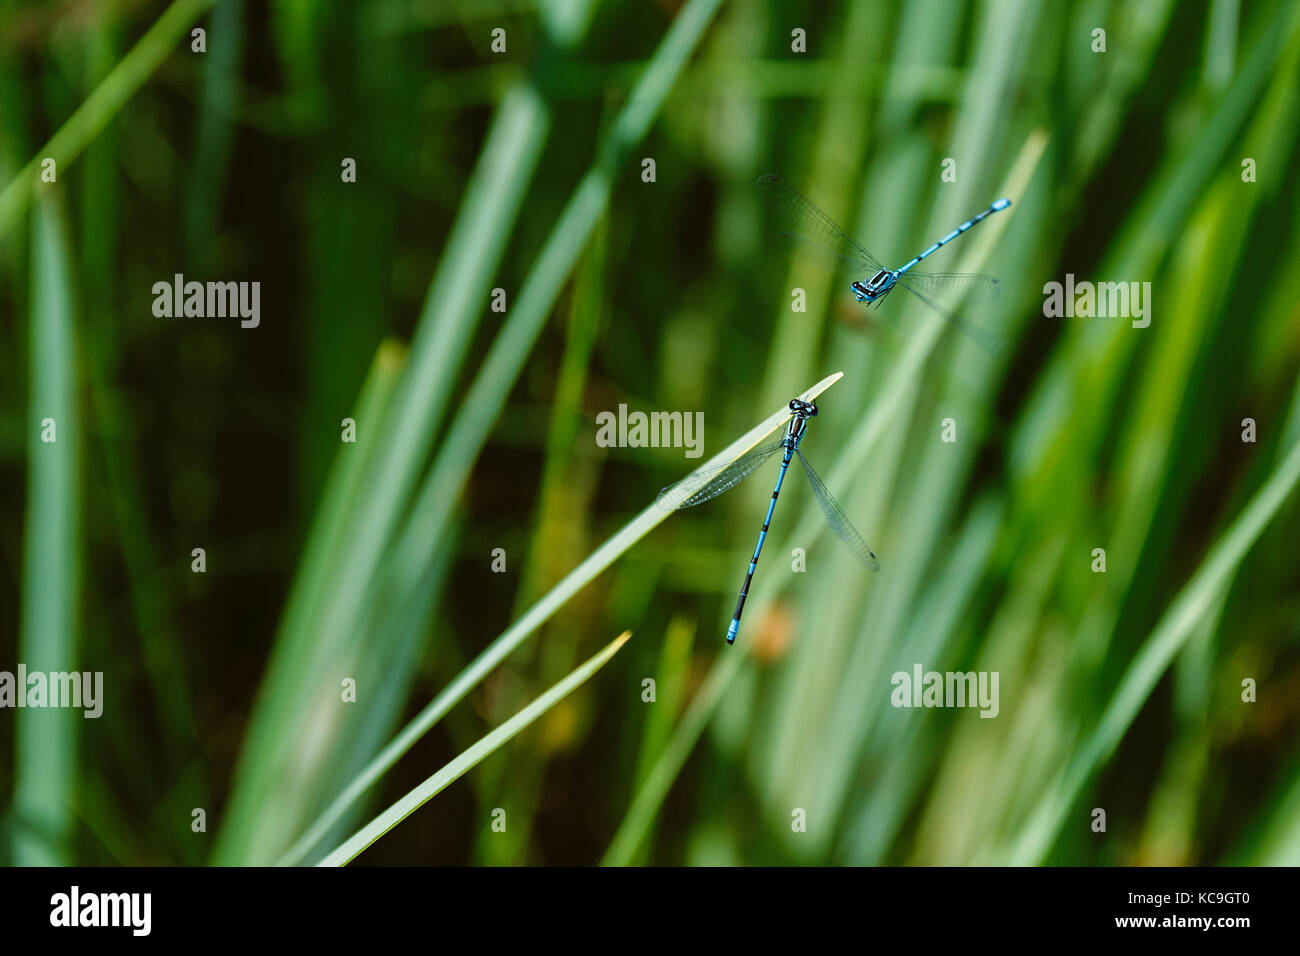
x: 803, y: 409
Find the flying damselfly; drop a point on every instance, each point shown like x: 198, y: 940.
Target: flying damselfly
x: 944, y: 292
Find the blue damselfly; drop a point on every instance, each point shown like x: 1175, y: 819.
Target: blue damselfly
x: 706, y: 485
x: 944, y: 292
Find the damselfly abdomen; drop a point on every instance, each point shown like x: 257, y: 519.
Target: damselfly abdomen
x: 706, y: 485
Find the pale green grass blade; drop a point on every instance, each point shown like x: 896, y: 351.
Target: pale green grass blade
x: 818, y: 696
x: 561, y: 538
x: 853, y: 456
x: 1275, y: 839
x: 672, y: 673
x: 102, y: 105
x: 327, y: 544
x: 403, y: 629
x: 894, y: 750
x: 1191, y: 605
x: 487, y: 395
x: 333, y: 628
x: 404, y: 807
x: 1221, y: 43
x: 331, y: 623
x: 45, y: 738
x: 840, y: 144
x: 517, y: 633
x: 641, y: 814
x: 1093, y: 358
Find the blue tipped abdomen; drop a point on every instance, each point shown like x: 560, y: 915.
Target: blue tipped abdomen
x: 732, y: 631
x: 1000, y: 203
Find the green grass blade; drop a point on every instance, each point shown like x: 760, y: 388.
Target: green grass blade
x: 487, y: 395
x: 326, y: 548
x: 851, y: 461
x: 517, y: 633
x: 418, y: 797
x: 1179, y: 621
x: 335, y: 627
x: 102, y: 105
x: 650, y: 797
x: 1274, y: 840
x: 328, y: 627
x: 45, y: 738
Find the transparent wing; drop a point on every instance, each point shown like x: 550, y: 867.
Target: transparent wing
x: 990, y: 342
x: 954, y: 287
x: 837, y: 519
x: 813, y: 227
x: 704, y: 485
x: 840, y: 266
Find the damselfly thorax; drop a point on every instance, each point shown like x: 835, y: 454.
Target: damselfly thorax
x: 875, y: 288
x: 802, y: 411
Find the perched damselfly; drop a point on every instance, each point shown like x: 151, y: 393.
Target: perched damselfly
x: 944, y: 292
x: 706, y: 485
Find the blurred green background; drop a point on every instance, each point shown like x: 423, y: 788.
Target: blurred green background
x: 522, y: 170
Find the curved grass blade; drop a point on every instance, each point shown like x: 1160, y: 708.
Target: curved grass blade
x: 403, y: 808
x: 810, y: 223
x: 702, y: 486
x: 384, y: 548
x: 518, y: 632
x: 102, y: 105
x: 1042, y: 828
x: 837, y: 519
